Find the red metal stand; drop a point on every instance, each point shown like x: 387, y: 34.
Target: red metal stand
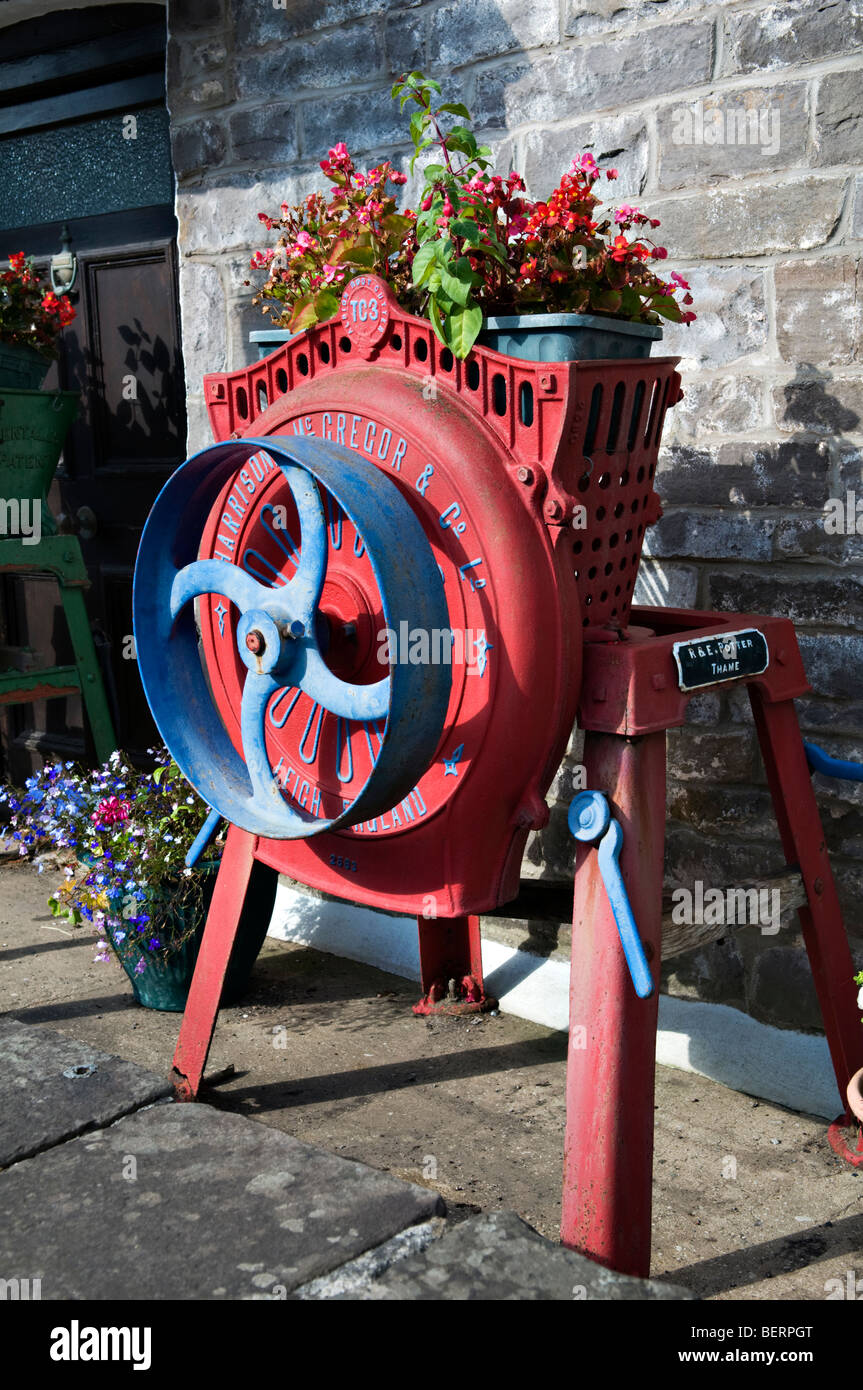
x: 608, y: 1157
x: 451, y: 967
x: 630, y: 696
x: 202, y: 1006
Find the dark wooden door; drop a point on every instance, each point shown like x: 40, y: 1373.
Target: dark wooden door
x: 122, y: 354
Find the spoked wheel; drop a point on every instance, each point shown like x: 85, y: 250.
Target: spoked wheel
x: 288, y: 644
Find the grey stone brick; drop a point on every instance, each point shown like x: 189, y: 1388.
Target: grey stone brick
x: 805, y: 538
x: 715, y: 405
x: 725, y: 861
x: 265, y: 134
x: 716, y: 535
x: 243, y: 318
x: 588, y: 17
x: 348, y: 55
x: 364, y: 120
x: 406, y: 43
x: 850, y: 466
x: 215, y: 219
x: 595, y: 77
x: 259, y: 22
x: 715, y: 808
x: 198, y: 432
x: 204, y: 322
x: 760, y: 128
x: 666, y: 585
x: 714, y: 974
x: 834, y: 663
x: 731, y: 309
x: 473, y: 29
x: 839, y: 118
x: 713, y: 755
x: 818, y: 715
x: 819, y: 313
x: 824, y: 599
x: 197, y: 78
x: 789, y: 473
x: 793, y: 31
x: 196, y: 146
x: 827, y: 404
x: 616, y: 142
x: 752, y: 220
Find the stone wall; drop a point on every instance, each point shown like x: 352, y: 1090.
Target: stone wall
x: 763, y: 213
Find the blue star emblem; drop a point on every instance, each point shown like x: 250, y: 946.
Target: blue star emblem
x: 221, y: 613
x: 482, y: 649
x: 449, y: 764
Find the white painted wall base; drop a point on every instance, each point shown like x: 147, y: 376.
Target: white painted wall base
x: 791, y: 1069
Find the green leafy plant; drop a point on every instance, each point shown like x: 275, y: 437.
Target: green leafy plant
x: 477, y: 245
x: 323, y: 242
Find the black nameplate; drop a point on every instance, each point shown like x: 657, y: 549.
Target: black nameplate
x: 726, y: 657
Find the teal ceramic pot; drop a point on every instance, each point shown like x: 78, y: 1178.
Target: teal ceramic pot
x: 568, y: 337
x: 164, y: 983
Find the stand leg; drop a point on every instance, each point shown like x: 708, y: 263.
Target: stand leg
x: 202, y: 1006
x: 451, y: 966
x: 608, y: 1163
x: 803, y: 842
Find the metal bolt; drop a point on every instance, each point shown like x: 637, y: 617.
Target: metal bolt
x: 553, y: 510
x: 818, y: 885
x: 255, y: 641
x: 525, y: 475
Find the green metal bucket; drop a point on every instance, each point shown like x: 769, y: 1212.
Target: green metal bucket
x: 22, y: 368
x: 33, y: 426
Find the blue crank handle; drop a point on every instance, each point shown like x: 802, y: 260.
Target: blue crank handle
x: 609, y: 854
x: 819, y: 761
x: 203, y: 838
x: 589, y: 820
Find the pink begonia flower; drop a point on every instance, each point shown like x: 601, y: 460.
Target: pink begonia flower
x: 110, y: 811
x: 304, y: 240
x: 679, y: 280
x: 626, y: 214
x: 611, y: 173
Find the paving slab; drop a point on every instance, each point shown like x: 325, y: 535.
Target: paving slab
x: 53, y: 1088
x: 497, y: 1256
x: 186, y: 1202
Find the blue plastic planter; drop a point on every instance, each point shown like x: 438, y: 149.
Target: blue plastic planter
x: 266, y: 340
x: 568, y: 337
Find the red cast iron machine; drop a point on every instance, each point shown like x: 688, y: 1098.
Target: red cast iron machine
x: 367, y: 620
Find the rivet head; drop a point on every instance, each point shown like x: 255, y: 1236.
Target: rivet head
x: 553, y: 510
x: 525, y: 475
x: 255, y: 641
